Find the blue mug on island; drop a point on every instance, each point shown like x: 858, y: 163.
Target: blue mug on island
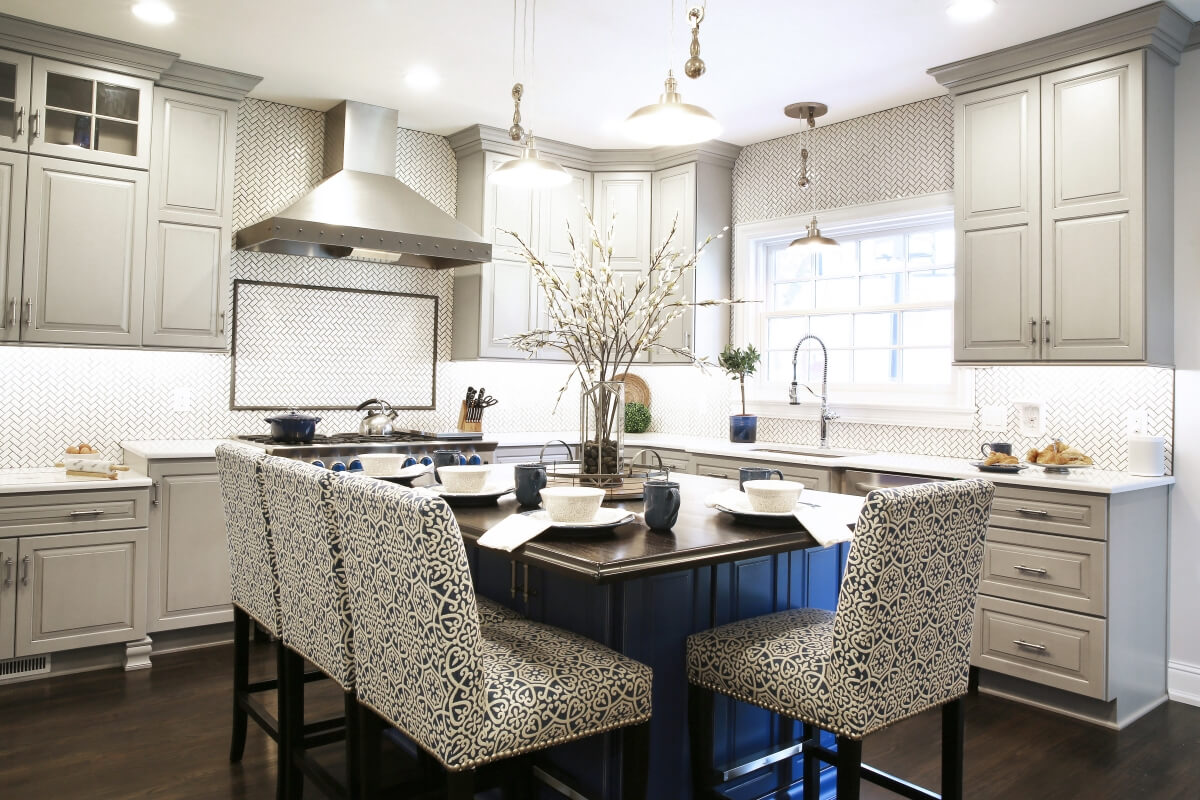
x: 755, y: 474
x: 661, y: 504
x: 529, y: 479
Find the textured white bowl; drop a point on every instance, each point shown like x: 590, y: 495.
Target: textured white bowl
x: 469, y: 479
x: 381, y: 465
x: 773, y: 497
x: 572, y: 503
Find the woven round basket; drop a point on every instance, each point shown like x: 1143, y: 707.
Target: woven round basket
x: 636, y: 390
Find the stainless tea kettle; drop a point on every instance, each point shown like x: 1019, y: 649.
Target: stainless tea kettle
x: 378, y: 421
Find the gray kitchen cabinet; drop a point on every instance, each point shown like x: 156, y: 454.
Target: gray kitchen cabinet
x: 818, y: 478
x: 1063, y: 214
x: 621, y: 202
x: 15, y: 71
x: 190, y: 221
x: 13, y: 168
x: 188, y: 561
x: 8, y: 597
x: 85, y: 240
x: 562, y: 210
x: 88, y: 114
x: 80, y: 590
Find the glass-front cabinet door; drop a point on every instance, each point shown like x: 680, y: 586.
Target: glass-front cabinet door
x: 90, y: 115
x: 14, y: 100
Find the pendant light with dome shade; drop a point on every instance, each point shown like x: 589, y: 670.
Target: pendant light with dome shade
x: 812, y: 242
x: 529, y: 170
x: 671, y: 121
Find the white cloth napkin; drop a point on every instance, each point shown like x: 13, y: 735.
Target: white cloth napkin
x: 828, y: 521
x: 413, y: 471
x: 512, y: 532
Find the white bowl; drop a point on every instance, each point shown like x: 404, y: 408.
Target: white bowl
x: 773, y: 497
x: 468, y: 479
x: 572, y: 503
x: 381, y: 465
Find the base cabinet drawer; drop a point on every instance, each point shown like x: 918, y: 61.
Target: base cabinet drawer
x: 816, y: 478
x: 71, y: 512
x: 673, y: 460
x: 1056, y: 571
x: 1043, y: 645
x: 1063, y: 513
x: 80, y: 590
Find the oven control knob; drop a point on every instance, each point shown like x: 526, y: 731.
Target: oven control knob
x: 474, y: 460
x: 427, y: 461
x: 410, y: 461
x: 319, y: 463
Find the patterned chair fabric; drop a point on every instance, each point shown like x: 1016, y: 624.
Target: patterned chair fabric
x: 900, y: 640
x: 253, y: 568
x: 312, y: 574
x: 491, y: 612
x: 468, y: 694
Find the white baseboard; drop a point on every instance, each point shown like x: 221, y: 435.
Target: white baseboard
x: 1183, y: 682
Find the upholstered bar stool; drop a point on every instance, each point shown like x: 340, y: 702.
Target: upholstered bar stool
x: 254, y: 589
x: 469, y: 694
x: 898, y: 644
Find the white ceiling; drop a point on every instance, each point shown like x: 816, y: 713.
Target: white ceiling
x: 596, y: 61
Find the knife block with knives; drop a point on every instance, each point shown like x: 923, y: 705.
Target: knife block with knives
x: 470, y: 415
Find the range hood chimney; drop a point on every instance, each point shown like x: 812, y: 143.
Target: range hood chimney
x: 360, y: 209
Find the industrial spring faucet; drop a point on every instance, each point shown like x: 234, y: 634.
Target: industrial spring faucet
x: 793, y: 398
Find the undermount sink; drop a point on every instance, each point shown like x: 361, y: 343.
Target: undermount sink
x: 816, y: 452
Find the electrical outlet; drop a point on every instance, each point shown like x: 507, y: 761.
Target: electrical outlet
x: 1137, y: 420
x: 181, y: 400
x: 1031, y: 418
x: 993, y: 418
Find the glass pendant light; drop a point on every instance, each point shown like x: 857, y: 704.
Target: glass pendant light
x: 530, y: 170
x: 812, y: 242
x: 671, y: 121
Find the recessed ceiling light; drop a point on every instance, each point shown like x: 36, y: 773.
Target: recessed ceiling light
x: 970, y: 10
x: 154, y: 12
x: 422, y: 78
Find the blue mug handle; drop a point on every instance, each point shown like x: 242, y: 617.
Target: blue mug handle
x: 673, y: 493
x: 776, y: 472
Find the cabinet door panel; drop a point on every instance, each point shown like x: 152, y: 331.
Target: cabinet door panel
x: 194, y: 157
x: 185, y: 293
x: 507, y: 208
x: 1091, y: 292
x: 81, y: 590
x: 507, y: 298
x: 189, y: 564
x: 673, y: 202
x: 14, y: 100
x: 997, y: 163
x: 12, y: 238
x: 84, y: 253
x: 627, y: 195
x: 997, y: 290
x: 8, y: 596
x: 562, y: 206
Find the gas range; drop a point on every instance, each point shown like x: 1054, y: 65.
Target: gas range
x: 419, y: 444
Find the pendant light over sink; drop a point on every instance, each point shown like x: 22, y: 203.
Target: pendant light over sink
x: 530, y: 170
x: 812, y: 242
x: 671, y: 121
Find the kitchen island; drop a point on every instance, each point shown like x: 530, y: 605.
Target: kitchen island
x: 643, y: 592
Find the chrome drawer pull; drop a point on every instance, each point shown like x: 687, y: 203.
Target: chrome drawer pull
x: 1030, y: 570
x: 95, y: 512
x: 8, y: 565
x: 25, y: 571
x: 714, y: 475
x: 1041, y: 648
x: 1033, y: 512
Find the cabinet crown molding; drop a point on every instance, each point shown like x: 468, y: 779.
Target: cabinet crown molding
x: 1158, y: 27
x: 478, y: 138
x: 213, y: 81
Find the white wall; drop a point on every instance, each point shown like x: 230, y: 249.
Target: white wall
x: 1184, y: 675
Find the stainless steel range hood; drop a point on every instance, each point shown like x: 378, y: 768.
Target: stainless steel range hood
x: 360, y: 209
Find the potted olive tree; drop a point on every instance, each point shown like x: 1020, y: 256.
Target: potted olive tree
x: 738, y: 363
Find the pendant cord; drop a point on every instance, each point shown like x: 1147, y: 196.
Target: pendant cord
x: 671, y: 36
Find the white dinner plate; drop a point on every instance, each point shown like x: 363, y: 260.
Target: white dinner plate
x: 490, y: 494
x: 605, y: 518
x: 1060, y: 468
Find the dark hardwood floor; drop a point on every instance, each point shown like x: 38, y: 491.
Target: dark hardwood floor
x: 164, y: 733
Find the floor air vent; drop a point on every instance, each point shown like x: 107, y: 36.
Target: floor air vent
x: 15, y: 668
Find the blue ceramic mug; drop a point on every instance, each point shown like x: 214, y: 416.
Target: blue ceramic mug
x: 662, y: 504
x: 446, y: 458
x: 530, y: 479
x: 755, y: 474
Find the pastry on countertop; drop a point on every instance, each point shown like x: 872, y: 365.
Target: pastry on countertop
x: 995, y: 458
x: 1058, y: 454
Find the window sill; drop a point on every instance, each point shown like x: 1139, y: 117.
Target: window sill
x: 865, y: 413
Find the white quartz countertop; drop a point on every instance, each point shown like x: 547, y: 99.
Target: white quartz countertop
x: 151, y: 449
x: 1093, y: 481
x: 53, y: 479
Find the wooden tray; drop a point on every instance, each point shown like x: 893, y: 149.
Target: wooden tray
x: 636, y: 390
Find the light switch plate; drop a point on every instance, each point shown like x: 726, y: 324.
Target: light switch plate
x: 1031, y: 418
x: 993, y: 418
x: 181, y: 400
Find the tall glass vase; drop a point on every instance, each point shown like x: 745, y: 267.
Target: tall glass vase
x: 602, y: 432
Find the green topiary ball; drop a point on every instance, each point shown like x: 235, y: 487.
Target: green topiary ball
x: 637, y: 418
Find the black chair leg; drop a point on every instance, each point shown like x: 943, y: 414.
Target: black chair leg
x: 353, y: 755
x: 700, y: 736
x: 460, y: 785
x: 293, y: 737
x: 849, y: 768
x: 281, y: 718
x: 370, y: 743
x: 787, y: 735
x: 954, y: 727
x: 812, y: 764
x: 635, y: 761
x: 241, y: 680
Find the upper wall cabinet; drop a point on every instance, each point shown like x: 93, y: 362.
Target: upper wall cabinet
x: 1063, y: 200
x: 89, y: 114
x: 190, y: 226
x: 14, y: 100
x: 12, y: 237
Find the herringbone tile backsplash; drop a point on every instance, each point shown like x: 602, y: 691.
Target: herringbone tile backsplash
x: 53, y: 396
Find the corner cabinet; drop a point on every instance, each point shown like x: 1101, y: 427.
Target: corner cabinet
x: 1063, y: 207
x: 190, y: 221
